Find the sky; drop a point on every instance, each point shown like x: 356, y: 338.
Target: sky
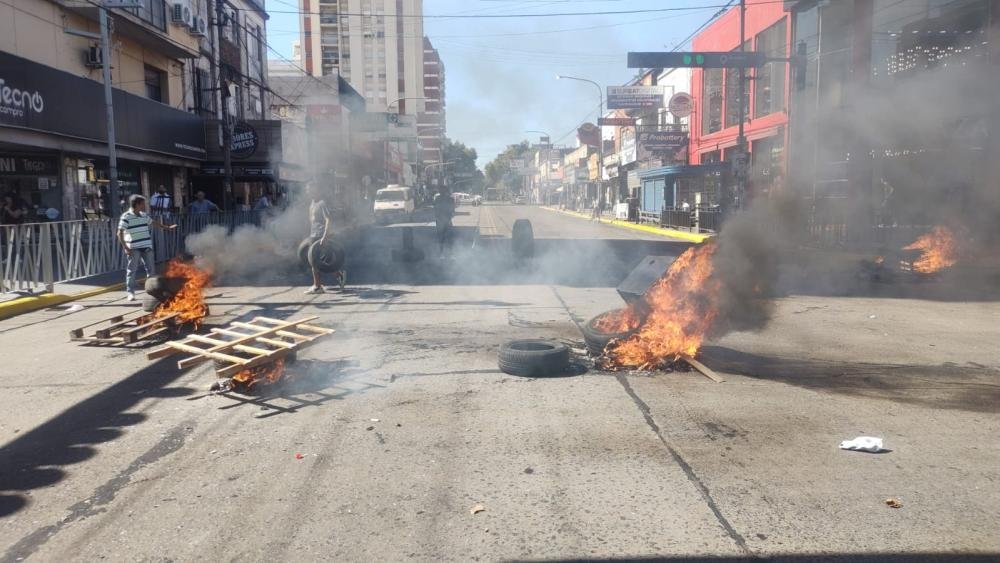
x: 500, y: 72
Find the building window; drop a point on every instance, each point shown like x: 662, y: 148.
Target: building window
x: 204, y: 99
x: 769, y: 93
x: 712, y: 100
x: 153, y: 12
x: 733, y: 94
x: 156, y: 82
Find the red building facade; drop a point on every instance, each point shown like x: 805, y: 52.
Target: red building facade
x: 715, y: 123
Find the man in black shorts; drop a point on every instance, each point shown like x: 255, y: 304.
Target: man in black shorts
x: 319, y: 231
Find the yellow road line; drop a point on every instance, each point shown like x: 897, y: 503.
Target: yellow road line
x: 673, y: 233
x: 23, y: 305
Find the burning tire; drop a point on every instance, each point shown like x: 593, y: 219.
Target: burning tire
x: 618, y: 325
x: 533, y: 358
x: 303, y: 250
x: 328, y: 257
x: 149, y: 303
x: 163, y: 287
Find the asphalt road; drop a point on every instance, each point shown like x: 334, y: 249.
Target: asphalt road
x: 404, y: 424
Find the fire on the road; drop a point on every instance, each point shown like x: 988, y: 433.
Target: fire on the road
x: 267, y: 373
x: 189, y: 302
x: 682, y: 307
x: 938, y: 250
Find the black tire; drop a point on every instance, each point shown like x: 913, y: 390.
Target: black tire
x: 533, y: 358
x: 162, y: 287
x: 327, y: 258
x: 150, y: 303
x: 303, y: 250
x: 598, y: 340
x: 522, y: 241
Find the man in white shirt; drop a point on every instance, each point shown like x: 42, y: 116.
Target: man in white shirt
x: 136, y: 237
x: 160, y: 204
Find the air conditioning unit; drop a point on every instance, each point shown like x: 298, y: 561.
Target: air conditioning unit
x: 95, y: 58
x: 180, y: 14
x: 199, y: 26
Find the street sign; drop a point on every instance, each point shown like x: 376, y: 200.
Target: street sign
x: 706, y: 59
x: 616, y: 121
x: 740, y: 161
x: 681, y: 104
x: 635, y: 97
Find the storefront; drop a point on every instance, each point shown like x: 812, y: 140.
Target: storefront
x: 266, y: 161
x: 669, y: 187
x: 53, y: 144
x: 893, y: 127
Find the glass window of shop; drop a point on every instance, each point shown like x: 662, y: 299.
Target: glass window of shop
x: 802, y: 125
x: 92, y: 177
x: 769, y: 83
x: 767, y: 165
x: 711, y: 119
x: 32, y: 183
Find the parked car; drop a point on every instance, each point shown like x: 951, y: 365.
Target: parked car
x: 394, y: 202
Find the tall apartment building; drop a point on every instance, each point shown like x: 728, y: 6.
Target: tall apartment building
x: 376, y: 45
x: 431, y: 122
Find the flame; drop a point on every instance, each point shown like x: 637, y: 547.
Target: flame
x: 938, y: 250
x: 189, y: 302
x: 267, y: 373
x: 683, y: 305
x: 620, y: 320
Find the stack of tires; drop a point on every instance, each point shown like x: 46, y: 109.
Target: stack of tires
x: 597, y: 340
x: 327, y: 257
x: 160, y: 289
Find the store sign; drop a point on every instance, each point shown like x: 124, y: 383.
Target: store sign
x: 616, y: 121
x: 28, y: 166
x: 41, y: 98
x: 244, y: 140
x: 670, y: 145
x: 635, y: 97
x: 681, y: 104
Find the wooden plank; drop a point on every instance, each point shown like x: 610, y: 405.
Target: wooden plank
x: 269, y: 320
x: 273, y: 342
x: 202, y: 354
x: 258, y: 328
x: 702, y: 368
x: 206, y: 340
x: 316, y: 329
x: 228, y: 332
x: 258, y: 361
x: 151, y: 323
x: 252, y: 350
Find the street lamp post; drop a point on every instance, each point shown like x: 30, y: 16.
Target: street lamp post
x: 388, y: 107
x: 600, y: 139
x: 548, y: 148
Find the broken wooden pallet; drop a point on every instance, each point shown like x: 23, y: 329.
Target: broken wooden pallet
x: 244, y: 345
x: 127, y: 328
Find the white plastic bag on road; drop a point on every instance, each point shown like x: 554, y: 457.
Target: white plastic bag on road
x: 863, y: 444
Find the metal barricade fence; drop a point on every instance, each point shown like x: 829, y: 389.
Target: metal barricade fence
x: 35, y: 256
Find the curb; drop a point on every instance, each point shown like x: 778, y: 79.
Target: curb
x: 673, y: 233
x: 23, y: 305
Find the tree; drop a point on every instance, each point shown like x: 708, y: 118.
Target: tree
x: 501, y: 172
x: 461, y: 174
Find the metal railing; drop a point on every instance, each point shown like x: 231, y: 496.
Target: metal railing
x: 35, y: 256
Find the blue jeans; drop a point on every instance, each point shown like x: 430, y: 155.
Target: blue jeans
x: 144, y: 255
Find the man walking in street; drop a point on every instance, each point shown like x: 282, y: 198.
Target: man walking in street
x: 444, y: 211
x: 136, y: 238
x: 319, y: 231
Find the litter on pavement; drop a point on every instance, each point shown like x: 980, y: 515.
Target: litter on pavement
x: 863, y: 444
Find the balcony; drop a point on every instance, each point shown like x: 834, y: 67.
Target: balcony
x: 148, y: 25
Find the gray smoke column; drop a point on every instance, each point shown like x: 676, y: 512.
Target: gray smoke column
x: 250, y: 252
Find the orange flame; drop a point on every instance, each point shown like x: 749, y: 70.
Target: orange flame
x: 621, y: 320
x: 683, y: 305
x: 938, y: 250
x: 189, y: 302
x: 267, y: 373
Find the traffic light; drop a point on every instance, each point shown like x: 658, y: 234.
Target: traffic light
x: 704, y: 59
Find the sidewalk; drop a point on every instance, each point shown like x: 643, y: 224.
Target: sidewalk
x: 672, y: 233
x: 13, y: 304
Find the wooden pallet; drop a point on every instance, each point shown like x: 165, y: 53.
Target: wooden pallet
x: 128, y: 328
x: 241, y: 346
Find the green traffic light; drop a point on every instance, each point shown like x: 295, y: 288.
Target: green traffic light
x: 700, y: 59
x: 687, y: 59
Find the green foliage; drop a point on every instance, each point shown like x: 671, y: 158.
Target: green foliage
x: 499, y: 172
x: 462, y: 174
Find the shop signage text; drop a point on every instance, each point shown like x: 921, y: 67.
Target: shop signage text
x: 635, y: 97
x: 244, y: 141
x: 27, y: 165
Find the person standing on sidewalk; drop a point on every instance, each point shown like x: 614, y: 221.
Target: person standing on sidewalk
x: 136, y: 237
x: 444, y: 211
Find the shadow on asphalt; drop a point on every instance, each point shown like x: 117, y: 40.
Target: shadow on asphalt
x: 41, y: 456
x: 811, y: 557
x: 969, y: 387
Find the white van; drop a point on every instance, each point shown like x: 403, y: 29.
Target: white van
x: 394, y: 202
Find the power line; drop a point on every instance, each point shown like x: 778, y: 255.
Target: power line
x: 525, y: 15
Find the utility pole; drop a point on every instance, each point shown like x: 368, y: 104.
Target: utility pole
x: 224, y: 124
x: 104, y: 37
x: 741, y: 140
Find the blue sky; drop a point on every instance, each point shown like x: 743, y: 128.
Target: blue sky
x: 500, y: 72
